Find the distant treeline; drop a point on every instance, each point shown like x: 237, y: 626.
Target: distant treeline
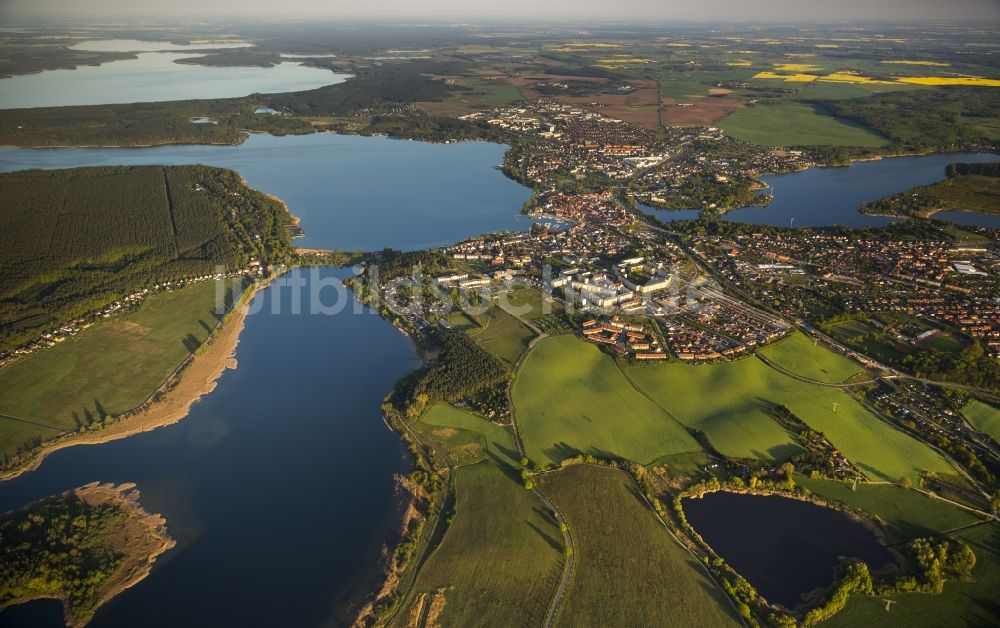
x: 75, y: 240
x: 991, y: 169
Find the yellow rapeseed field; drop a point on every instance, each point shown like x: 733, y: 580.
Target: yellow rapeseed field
x: 739, y: 64
x: 851, y: 77
x: 788, y: 78
x: 950, y: 81
x: 795, y: 67
x: 913, y: 62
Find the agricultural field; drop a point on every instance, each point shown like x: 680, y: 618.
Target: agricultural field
x: 571, y: 398
x: 499, y: 562
x: 798, y: 354
x: 739, y: 392
x: 628, y: 570
x: 107, y: 369
x: 464, y: 438
x: 496, y: 331
x: 795, y: 124
x: 983, y: 417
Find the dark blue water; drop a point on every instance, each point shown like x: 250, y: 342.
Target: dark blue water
x: 820, y: 197
x: 784, y: 547
x: 351, y: 192
x: 278, y: 486
x: 970, y: 219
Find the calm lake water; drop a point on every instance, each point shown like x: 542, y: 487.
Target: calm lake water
x: 828, y: 196
x: 141, y: 45
x: 278, y: 486
x: 783, y: 547
x: 351, y: 192
x: 153, y: 76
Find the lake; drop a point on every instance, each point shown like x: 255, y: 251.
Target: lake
x: 351, y: 192
x: 819, y: 197
x: 153, y: 77
x: 278, y: 486
x: 784, y: 547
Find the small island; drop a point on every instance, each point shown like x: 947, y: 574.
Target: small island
x: 82, y: 547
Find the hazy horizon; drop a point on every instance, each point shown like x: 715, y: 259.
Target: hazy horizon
x: 773, y: 11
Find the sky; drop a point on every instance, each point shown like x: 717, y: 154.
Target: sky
x: 443, y: 10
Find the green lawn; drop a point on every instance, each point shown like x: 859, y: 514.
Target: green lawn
x: 983, y: 417
x: 572, y: 398
x: 798, y: 354
x: 727, y: 402
x: 464, y: 438
x: 499, y: 561
x: 628, y: 570
x: 107, y: 369
x: 794, y: 124
x: 496, y: 331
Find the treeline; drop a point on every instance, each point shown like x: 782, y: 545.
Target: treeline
x: 462, y: 370
x: 75, y: 240
x: 856, y: 579
x: 991, y: 169
x: 925, y: 120
x: 972, y: 366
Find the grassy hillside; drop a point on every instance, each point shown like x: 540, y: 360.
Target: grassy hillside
x: 728, y: 401
x: 500, y: 560
x: 74, y: 240
x: 794, y: 124
x: 983, y: 417
x: 106, y: 369
x: 572, y: 398
x: 799, y: 355
x: 628, y: 570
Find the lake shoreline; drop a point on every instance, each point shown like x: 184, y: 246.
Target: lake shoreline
x: 195, y: 380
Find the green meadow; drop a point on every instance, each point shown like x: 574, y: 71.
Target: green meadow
x: 628, y: 570
x: 499, y: 562
x: 464, y: 438
x: 570, y: 398
x: 983, y: 417
x: 727, y: 401
x: 798, y: 354
x: 795, y: 124
x: 106, y: 369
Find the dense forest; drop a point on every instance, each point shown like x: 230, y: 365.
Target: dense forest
x: 76, y: 240
x: 462, y: 370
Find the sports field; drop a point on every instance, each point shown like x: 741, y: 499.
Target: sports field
x: 572, y: 398
x: 794, y: 124
x: 628, y: 570
x: 798, y: 354
x: 464, y: 438
x: 500, y: 560
x: 983, y: 417
x: 727, y: 402
x: 107, y: 369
